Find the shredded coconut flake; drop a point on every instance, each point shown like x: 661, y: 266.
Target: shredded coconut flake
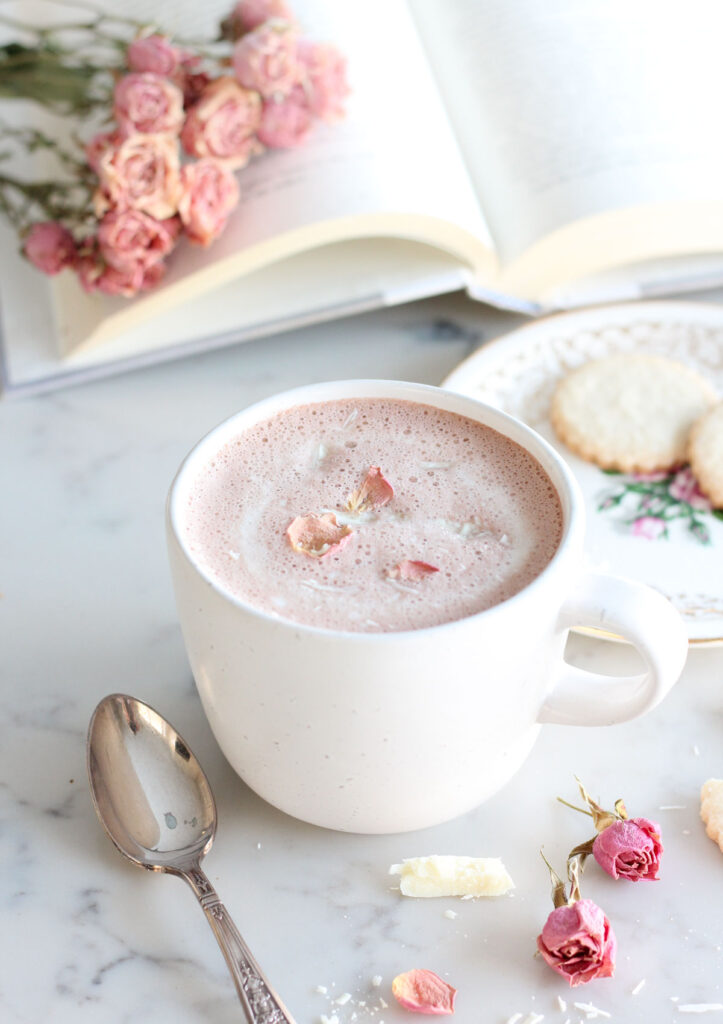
x: 590, y: 1011
x: 700, y: 1007
x: 672, y: 807
x: 514, y: 1019
x: 343, y: 999
x: 638, y: 987
x: 377, y: 980
x: 561, y: 1004
x: 350, y: 419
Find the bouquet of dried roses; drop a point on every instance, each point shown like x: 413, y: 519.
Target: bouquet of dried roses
x: 185, y: 117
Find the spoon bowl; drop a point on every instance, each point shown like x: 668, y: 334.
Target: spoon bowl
x: 156, y: 805
x: 149, y: 791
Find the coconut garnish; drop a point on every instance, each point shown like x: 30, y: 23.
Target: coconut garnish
x: 374, y: 493
x: 318, y: 536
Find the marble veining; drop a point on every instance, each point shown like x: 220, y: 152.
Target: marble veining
x: 87, y: 608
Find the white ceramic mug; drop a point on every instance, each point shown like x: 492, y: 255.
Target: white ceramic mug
x: 388, y: 732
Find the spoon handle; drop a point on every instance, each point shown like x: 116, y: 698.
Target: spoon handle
x: 260, y: 1002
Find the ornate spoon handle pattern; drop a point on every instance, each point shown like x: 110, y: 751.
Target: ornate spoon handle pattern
x: 260, y: 1002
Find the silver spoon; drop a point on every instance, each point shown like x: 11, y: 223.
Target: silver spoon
x: 155, y: 803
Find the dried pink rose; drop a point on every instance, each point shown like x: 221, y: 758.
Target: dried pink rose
x: 424, y: 991
x: 325, y: 79
x: 411, y: 571
x: 148, y: 103
x: 578, y: 942
x: 49, y: 246
x: 129, y: 283
x: 209, y: 192
x: 317, y: 536
x: 193, y: 84
x: 130, y: 238
x: 287, y: 122
x: 141, y: 172
x: 266, y: 59
x: 99, y: 145
x: 155, y: 53
x: 223, y: 122
x: 249, y: 14
x: 629, y: 849
x: 374, y: 493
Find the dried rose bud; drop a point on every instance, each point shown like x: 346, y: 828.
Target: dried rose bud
x: 375, y: 492
x: 317, y: 536
x: 629, y: 849
x: 578, y: 942
x: 423, y: 992
x: 410, y: 571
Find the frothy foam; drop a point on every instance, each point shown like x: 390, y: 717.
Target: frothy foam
x: 466, y: 499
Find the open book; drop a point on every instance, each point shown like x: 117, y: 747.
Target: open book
x: 539, y: 156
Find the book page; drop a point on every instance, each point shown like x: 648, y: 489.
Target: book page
x: 391, y: 168
x: 567, y: 109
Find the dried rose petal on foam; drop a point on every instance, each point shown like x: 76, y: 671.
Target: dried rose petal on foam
x: 374, y: 492
x: 410, y: 571
x: 423, y: 992
x: 317, y: 535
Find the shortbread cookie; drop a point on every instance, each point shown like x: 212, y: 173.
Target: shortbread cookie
x: 705, y: 453
x: 630, y: 412
x: 711, y: 809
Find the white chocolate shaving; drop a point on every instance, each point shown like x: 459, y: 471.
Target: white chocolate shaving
x: 448, y: 875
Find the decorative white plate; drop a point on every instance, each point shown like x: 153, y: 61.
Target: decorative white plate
x: 656, y: 529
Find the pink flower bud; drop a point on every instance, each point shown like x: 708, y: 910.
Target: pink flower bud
x: 223, y: 122
x: 629, y: 849
x: 266, y: 59
x: 49, y: 246
x: 130, y: 238
x: 209, y: 192
x: 286, y: 122
x: 154, y: 53
x: 578, y: 942
x: 142, y: 171
x: 325, y: 81
x: 148, y: 103
x: 249, y: 14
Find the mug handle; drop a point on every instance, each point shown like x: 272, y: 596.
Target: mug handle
x: 645, y: 618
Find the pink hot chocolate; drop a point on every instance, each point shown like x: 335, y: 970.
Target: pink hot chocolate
x: 467, y: 502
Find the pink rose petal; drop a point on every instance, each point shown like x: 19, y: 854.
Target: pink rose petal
x: 374, y: 492
x: 317, y: 536
x: 411, y: 571
x: 423, y: 992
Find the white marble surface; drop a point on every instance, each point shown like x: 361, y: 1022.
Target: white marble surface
x: 87, y: 608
